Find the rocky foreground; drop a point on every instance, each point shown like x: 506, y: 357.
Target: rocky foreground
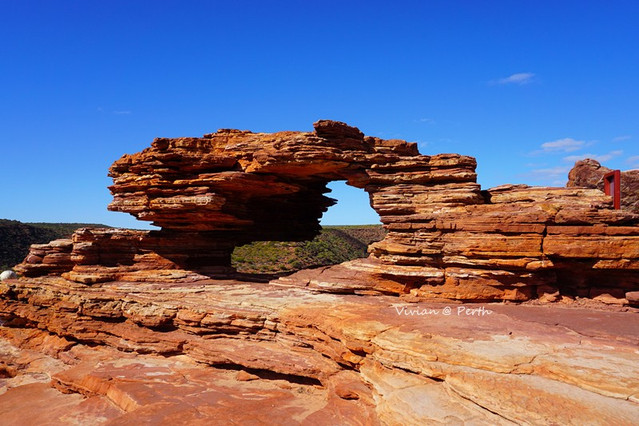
x: 229, y: 352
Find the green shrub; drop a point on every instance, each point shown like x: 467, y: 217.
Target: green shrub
x: 335, y: 244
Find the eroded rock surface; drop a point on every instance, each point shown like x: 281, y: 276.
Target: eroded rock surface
x: 589, y: 173
x: 125, y: 327
x: 446, y: 238
x: 222, y: 352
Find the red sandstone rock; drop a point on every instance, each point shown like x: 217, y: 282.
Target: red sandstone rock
x: 446, y: 238
x: 310, y: 357
x: 43, y: 259
x: 101, y: 255
x: 589, y: 173
x: 155, y: 340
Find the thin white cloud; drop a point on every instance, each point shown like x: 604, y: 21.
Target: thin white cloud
x: 551, y: 171
x: 426, y: 120
x: 563, y: 145
x: 549, y: 174
x: 121, y: 112
x: 621, y: 138
x: 519, y: 78
x: 633, y: 161
x: 601, y: 158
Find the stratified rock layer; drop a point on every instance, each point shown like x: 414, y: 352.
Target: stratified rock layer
x: 155, y: 340
x: 446, y: 238
x: 252, y: 186
x: 220, y: 352
x: 105, y: 254
x: 590, y: 173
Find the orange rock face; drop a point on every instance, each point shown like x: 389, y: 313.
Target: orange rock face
x: 384, y: 340
x: 589, y: 173
x: 249, y: 186
x: 220, y: 352
x: 447, y: 239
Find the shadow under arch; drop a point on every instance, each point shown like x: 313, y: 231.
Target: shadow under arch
x: 348, y: 227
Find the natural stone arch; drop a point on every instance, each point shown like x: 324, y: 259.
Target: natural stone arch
x: 446, y: 238
x: 233, y: 187
x: 241, y: 181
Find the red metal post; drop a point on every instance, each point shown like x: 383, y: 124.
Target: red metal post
x: 612, y: 186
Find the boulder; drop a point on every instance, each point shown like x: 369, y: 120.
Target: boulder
x: 589, y: 173
x: 8, y: 275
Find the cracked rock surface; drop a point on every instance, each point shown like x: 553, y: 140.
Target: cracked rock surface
x: 117, y: 326
x: 220, y: 352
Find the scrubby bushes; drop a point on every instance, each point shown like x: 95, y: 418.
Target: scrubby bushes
x: 335, y: 244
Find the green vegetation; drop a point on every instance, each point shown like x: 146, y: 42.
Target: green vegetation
x: 16, y: 237
x: 335, y: 244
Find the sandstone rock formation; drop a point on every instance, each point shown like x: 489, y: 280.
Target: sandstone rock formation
x: 52, y: 258
x: 447, y: 239
x: 107, y: 254
x: 166, y: 333
x: 220, y: 352
x: 589, y: 173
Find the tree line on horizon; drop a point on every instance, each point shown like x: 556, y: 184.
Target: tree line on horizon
x: 335, y: 244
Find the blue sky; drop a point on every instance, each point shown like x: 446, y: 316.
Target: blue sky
x: 527, y: 87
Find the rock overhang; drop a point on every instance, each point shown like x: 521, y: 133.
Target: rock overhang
x: 446, y: 238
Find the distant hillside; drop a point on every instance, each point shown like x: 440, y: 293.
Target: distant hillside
x: 16, y: 237
x: 335, y: 244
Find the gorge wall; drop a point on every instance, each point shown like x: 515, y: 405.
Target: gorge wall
x: 447, y: 239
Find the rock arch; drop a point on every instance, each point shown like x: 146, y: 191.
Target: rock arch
x: 233, y: 187
x: 446, y: 237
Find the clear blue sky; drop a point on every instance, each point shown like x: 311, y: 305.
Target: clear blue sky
x: 527, y: 87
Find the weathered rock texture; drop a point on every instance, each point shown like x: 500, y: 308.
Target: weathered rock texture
x: 589, y: 173
x: 217, y: 352
x: 446, y: 238
x: 155, y: 340
x: 106, y: 254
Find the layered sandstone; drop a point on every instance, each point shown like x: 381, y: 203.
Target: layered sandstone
x: 521, y: 243
x: 447, y: 239
x: 590, y: 173
x: 123, y: 327
x: 219, y: 352
x: 250, y: 186
x: 47, y: 259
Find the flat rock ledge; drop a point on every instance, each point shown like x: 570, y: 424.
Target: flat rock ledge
x: 229, y: 352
